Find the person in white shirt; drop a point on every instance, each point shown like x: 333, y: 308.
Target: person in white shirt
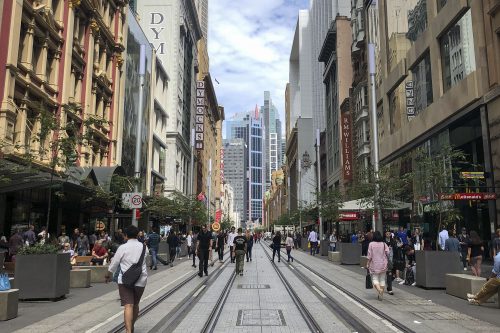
x: 189, y: 240
x: 443, y: 236
x: 333, y: 240
x: 230, y: 242
x: 127, y: 255
x: 313, y: 239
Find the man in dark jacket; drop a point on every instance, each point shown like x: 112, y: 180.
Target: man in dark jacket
x: 203, y: 246
x: 153, y: 243
x: 173, y: 242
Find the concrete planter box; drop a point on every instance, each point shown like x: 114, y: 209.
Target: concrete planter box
x: 42, y: 276
x: 349, y: 253
x: 432, y: 267
x: 323, y: 248
x: 9, y: 301
x: 334, y: 256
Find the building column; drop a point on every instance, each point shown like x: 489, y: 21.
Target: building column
x: 488, y: 168
x: 27, y: 53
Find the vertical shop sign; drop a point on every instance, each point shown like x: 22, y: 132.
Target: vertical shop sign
x: 410, y: 100
x: 200, y: 114
x: 346, y: 146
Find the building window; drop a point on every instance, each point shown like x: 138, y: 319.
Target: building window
x: 422, y: 82
x: 457, y: 52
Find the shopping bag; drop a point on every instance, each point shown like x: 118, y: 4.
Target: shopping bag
x: 368, y: 283
x: 4, y: 282
x: 308, y: 245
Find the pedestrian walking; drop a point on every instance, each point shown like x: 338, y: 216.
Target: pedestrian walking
x: 333, y: 240
x: 289, y: 244
x: 401, y: 233
x: 443, y: 236
x: 230, y: 242
x: 496, y: 243
x: 398, y: 260
x: 130, y: 262
x: 463, y: 240
x: 452, y: 244
x: 82, y: 245
x: 475, y: 253
x: 313, y: 240
x: 204, y: 245
x: 391, y: 244
x: 240, y: 248
x: 153, y: 242
x: 277, y: 245
x: 377, y: 263
x: 29, y: 236
x: 173, y: 242
x: 249, y: 245
x: 210, y: 253
x: 189, y: 242
x: 219, y: 247
x: 491, y: 287
x: 193, y: 248
x: 15, y: 243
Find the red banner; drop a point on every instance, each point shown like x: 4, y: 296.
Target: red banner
x: 468, y: 196
x: 218, y: 215
x: 346, y: 146
x: 349, y: 216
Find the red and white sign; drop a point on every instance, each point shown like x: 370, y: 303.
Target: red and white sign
x: 346, y: 146
x: 349, y: 216
x: 468, y: 196
x: 218, y: 215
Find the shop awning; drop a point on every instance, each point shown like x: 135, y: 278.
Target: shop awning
x: 367, y: 204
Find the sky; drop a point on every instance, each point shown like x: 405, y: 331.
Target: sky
x: 249, y: 43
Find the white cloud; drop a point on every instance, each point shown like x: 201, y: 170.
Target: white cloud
x: 249, y: 44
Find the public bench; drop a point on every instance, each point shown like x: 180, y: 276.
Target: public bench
x: 9, y: 300
x: 79, y: 278
x: 97, y: 273
x: 82, y: 260
x: 460, y: 285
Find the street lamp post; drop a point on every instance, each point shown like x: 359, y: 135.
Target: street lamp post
x: 318, y: 168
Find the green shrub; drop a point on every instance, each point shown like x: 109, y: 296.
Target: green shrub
x: 38, y: 249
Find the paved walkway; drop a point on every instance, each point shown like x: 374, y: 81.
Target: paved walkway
x: 419, y: 313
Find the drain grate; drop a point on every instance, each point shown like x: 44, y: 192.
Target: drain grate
x: 260, y: 317
x: 410, y: 302
x: 443, y: 316
x: 253, y: 286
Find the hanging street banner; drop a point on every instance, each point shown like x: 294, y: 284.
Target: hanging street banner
x: 468, y: 196
x: 346, y: 146
x: 200, y: 115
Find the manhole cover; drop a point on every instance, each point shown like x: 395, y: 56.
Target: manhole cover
x: 443, y: 316
x: 410, y: 302
x: 260, y: 317
x: 253, y: 286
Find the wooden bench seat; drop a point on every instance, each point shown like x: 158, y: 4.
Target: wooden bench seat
x: 82, y: 260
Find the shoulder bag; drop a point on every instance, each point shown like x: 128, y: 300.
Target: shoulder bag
x: 133, y: 273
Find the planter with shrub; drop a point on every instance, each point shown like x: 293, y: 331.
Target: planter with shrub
x: 42, y: 272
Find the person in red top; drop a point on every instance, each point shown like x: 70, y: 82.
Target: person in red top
x: 99, y: 253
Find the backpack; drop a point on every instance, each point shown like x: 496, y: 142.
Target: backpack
x: 133, y: 273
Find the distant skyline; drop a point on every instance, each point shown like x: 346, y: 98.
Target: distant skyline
x: 249, y: 43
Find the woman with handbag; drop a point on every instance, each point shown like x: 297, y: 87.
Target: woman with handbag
x: 377, y: 263
x: 289, y: 246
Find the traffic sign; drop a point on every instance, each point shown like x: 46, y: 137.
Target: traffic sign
x: 216, y: 226
x: 132, y: 200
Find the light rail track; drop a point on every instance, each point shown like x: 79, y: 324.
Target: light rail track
x: 308, y: 317
x: 399, y: 326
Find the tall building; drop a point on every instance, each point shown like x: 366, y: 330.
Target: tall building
x: 336, y: 55
x: 272, y: 128
x: 235, y: 171
x: 63, y: 60
x: 249, y: 127
x: 202, y: 9
x: 175, y: 42
x: 449, y: 75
